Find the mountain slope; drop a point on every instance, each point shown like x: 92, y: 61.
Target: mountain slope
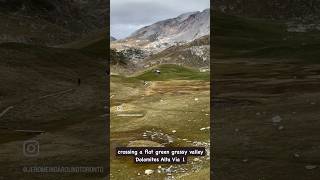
x: 300, y: 15
x: 276, y: 9
x: 195, y: 54
x: 50, y: 22
x: 186, y: 27
x: 158, y: 36
x: 42, y: 90
x: 247, y: 37
x: 112, y: 38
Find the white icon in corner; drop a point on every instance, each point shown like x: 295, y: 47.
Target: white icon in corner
x: 31, y: 148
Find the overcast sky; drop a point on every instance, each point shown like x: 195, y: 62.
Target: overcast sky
x: 130, y: 15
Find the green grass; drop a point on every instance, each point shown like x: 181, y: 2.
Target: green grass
x: 173, y: 72
x: 99, y: 47
x: 50, y: 57
x: 29, y: 72
x: 258, y: 38
x: 166, y: 104
x: 94, y: 44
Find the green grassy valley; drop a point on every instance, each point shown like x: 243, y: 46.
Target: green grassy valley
x: 166, y: 105
x: 266, y: 95
x: 173, y: 72
x: 40, y: 92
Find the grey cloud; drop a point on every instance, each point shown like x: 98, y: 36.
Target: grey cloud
x: 139, y: 13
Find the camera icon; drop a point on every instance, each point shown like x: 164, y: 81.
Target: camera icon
x: 31, y: 148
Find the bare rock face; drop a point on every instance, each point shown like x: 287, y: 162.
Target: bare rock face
x: 186, y: 27
x: 194, y: 54
x: 183, y: 40
x: 171, y: 32
x: 112, y: 38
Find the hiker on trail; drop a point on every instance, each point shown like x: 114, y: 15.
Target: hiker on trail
x: 79, y: 81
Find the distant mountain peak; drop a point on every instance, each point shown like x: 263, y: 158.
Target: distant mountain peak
x: 185, y: 16
x: 112, y: 38
x: 160, y: 35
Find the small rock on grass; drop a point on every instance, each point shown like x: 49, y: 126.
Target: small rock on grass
x: 196, y: 159
x: 276, y: 119
x: 205, y: 128
x: 310, y: 167
x: 245, y: 160
x: 144, y: 143
x: 148, y: 171
x: 296, y: 155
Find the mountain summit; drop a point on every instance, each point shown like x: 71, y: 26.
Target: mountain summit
x: 160, y: 35
x: 186, y: 27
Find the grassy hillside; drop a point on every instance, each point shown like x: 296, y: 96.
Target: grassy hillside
x: 170, y: 71
x: 30, y: 72
x: 95, y: 43
x: 275, y: 9
x: 40, y: 88
x: 98, y: 47
x: 253, y: 38
x: 168, y: 104
x: 26, y: 29
x: 193, y: 54
x: 262, y: 72
x: 50, y: 22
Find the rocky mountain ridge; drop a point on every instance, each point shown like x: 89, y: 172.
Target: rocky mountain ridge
x: 112, y: 38
x: 194, y: 54
x: 171, y: 32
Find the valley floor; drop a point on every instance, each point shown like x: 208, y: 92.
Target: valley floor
x: 40, y: 100
x: 172, y: 113
x: 266, y: 123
